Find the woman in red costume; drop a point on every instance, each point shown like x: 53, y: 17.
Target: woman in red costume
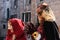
x: 15, y: 30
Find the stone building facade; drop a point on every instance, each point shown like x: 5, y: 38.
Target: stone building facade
x: 18, y: 8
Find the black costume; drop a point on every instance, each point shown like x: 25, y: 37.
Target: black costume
x: 51, y: 30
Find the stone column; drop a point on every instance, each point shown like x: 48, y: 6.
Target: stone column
x: 33, y: 11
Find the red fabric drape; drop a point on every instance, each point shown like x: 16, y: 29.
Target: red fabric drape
x: 42, y: 32
x: 18, y: 29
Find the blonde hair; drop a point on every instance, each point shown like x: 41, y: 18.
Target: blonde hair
x: 48, y: 14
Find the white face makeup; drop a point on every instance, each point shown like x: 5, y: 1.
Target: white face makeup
x: 39, y: 37
x: 9, y: 25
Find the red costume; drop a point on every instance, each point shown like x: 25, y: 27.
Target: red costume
x: 42, y: 32
x: 18, y: 30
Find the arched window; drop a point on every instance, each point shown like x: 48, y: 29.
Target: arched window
x: 4, y: 26
x: 41, y: 0
x: 29, y: 1
x: 7, y: 0
x: 15, y: 3
x: 7, y: 13
x: 26, y: 16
